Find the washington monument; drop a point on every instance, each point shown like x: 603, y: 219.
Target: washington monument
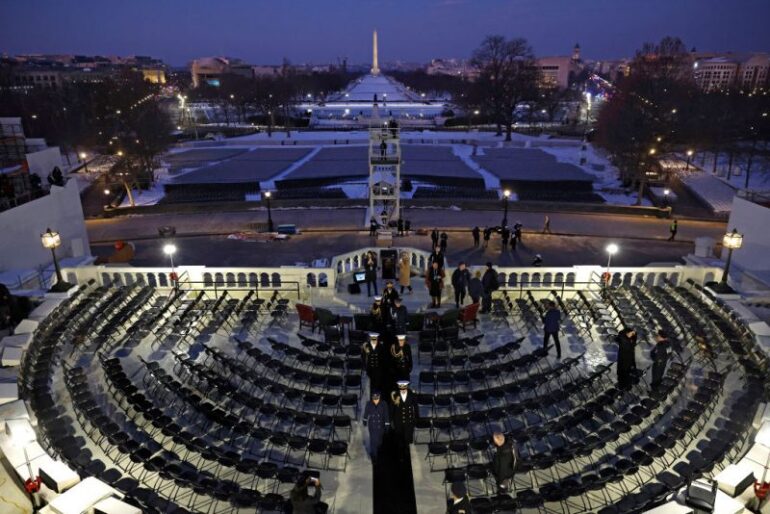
x: 375, y: 65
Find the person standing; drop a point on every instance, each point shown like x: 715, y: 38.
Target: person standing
x: 400, y: 225
x: 476, y: 236
x: 370, y: 273
x: 434, y: 280
x: 504, y: 462
x: 400, y: 317
x: 551, y: 327
x: 373, y: 357
x: 505, y: 235
x: 373, y: 226
x: 377, y: 419
x: 513, y: 243
x: 672, y: 229
x: 517, y: 229
x: 487, y: 235
x: 434, y: 236
x: 461, y: 279
x: 378, y: 316
x: 436, y: 256
x: 389, y: 294
x: 404, y: 412
x: 475, y: 289
x: 459, y: 503
x: 383, y: 149
x: 401, y: 358
x: 626, y: 358
x: 547, y: 225
x: 443, y: 242
x: 405, y: 274
x: 306, y: 495
x: 490, y: 284
x: 660, y: 354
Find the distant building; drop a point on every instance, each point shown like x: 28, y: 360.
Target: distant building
x: 556, y: 71
x: 210, y: 70
x: 717, y: 72
x: 456, y: 67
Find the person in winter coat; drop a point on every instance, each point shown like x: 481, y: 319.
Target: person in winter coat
x: 370, y: 273
x: 443, y: 242
x: 434, y: 237
x: 504, y: 462
x: 459, y: 503
x: 505, y: 235
x: 436, y: 256
x: 306, y: 495
x: 476, y: 236
x: 405, y: 274
x: 434, y: 280
x: 490, y: 284
x: 626, y: 358
x: 399, y: 317
x: 461, y: 279
x: 475, y: 289
x: 487, y: 235
x: 551, y: 327
x: 660, y: 354
x: 404, y: 412
x: 377, y: 419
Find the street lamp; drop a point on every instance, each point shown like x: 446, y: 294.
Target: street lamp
x: 732, y: 241
x: 506, y: 195
x: 689, y: 155
x: 666, y: 193
x: 120, y: 153
x: 475, y: 113
x: 83, y: 157
x: 268, y: 194
x: 611, y: 249
x: 52, y: 240
x: 107, y: 192
x: 170, y: 249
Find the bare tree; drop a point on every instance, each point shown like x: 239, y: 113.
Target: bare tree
x: 507, y: 76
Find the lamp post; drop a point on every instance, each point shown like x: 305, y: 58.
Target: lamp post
x: 612, y: 249
x: 170, y: 249
x: 689, y: 156
x: 475, y: 113
x: 52, y: 240
x: 268, y: 195
x: 666, y: 193
x: 83, y: 157
x: 732, y: 241
x: 506, y: 195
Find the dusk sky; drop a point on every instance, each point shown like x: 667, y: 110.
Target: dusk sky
x: 320, y: 31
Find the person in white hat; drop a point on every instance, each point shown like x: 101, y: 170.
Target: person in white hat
x: 401, y: 358
x: 373, y: 355
x: 405, y: 413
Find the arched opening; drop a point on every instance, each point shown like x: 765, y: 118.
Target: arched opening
x: 140, y: 278
x: 525, y: 279
x: 617, y: 279
x: 536, y: 280
x: 117, y: 279
x: 207, y: 280
x: 661, y: 279
x: 547, y: 277
x: 163, y: 279
x: 571, y: 279
x: 264, y: 280
x: 559, y: 280
x: 106, y: 280
x: 253, y: 280
x: 501, y: 279
x: 276, y: 279
x: 241, y: 279
x: 674, y: 278
x: 151, y: 279
x: 323, y: 280
x: 129, y: 278
x: 513, y: 279
x: 639, y: 279
x: 230, y: 277
x: 627, y: 277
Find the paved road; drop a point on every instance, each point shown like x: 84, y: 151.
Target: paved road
x: 556, y: 250
x: 603, y: 225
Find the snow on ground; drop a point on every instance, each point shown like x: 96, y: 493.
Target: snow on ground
x: 465, y: 152
x: 759, y: 178
x: 717, y: 193
x: 151, y: 196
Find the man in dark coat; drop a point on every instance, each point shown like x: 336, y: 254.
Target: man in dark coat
x: 626, y: 358
x: 461, y: 279
x: 517, y: 228
x: 476, y: 236
x: 306, y: 495
x: 400, y: 225
x: 434, y: 237
x: 551, y: 326
x: 373, y: 356
x: 373, y: 226
x: 399, y: 316
x: 404, y: 412
x: 504, y: 462
x: 487, y: 235
x: 459, y: 503
x: 377, y: 419
x: 505, y: 234
x: 370, y: 273
x: 436, y: 256
x: 660, y: 355
x: 489, y: 281
x: 401, y: 358
x: 443, y: 242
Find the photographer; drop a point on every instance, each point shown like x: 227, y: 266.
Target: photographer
x: 306, y: 495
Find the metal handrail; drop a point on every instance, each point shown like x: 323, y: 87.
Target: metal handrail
x: 218, y: 286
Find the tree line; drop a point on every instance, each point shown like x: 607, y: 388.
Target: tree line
x: 657, y: 110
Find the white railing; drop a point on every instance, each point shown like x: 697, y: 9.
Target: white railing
x: 354, y: 261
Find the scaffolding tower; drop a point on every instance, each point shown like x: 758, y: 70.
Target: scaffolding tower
x: 384, y: 172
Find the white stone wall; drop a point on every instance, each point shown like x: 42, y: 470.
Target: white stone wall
x: 753, y: 221
x: 20, y: 229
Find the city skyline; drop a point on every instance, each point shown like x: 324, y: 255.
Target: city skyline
x: 268, y: 32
